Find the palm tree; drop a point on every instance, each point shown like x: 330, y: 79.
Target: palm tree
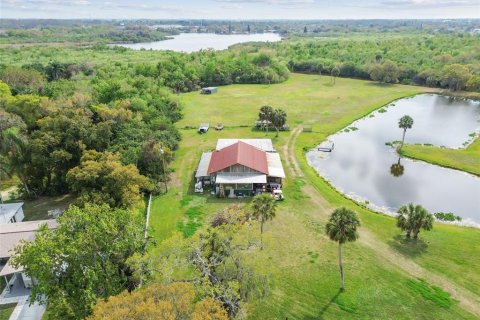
x: 265, y: 115
x: 342, y: 227
x: 264, y: 207
x: 397, y: 169
x: 411, y: 218
x: 279, y: 118
x: 335, y: 72
x: 405, y: 122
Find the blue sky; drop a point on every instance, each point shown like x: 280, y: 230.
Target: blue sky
x: 240, y: 9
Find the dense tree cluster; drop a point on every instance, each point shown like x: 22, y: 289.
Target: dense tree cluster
x: 85, y: 258
x: 190, y: 72
x: 174, y: 301
x: 441, y: 61
x: 106, y: 123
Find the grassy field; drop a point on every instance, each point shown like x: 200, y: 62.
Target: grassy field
x: 381, y: 270
x: 6, y: 310
x: 465, y: 159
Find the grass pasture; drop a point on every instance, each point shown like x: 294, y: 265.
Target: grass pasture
x: 464, y: 159
x: 6, y: 310
x: 300, y: 260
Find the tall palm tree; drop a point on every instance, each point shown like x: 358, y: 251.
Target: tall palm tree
x: 342, y: 228
x: 405, y: 122
x: 279, y: 118
x: 411, y: 218
x: 335, y: 72
x: 265, y: 115
x: 264, y: 207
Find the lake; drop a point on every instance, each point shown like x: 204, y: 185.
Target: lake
x: 360, y: 164
x: 191, y: 42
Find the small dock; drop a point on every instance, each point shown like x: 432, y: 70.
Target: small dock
x: 326, y: 146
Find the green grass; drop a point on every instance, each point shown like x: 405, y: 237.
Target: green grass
x: 432, y: 293
x: 465, y: 159
x: 6, y: 310
x: 2, y: 285
x: 299, y: 259
x: 446, y: 250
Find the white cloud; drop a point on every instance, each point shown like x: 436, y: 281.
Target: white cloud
x: 430, y: 3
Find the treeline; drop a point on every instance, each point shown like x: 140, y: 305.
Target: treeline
x: 83, y: 34
x: 438, y: 61
x: 190, y: 72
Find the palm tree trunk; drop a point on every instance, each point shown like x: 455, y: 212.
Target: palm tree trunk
x: 340, y: 265
x: 277, y: 131
x: 415, y: 234
x: 261, y: 235
x: 403, y: 138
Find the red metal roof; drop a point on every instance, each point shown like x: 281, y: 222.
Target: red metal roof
x: 239, y: 153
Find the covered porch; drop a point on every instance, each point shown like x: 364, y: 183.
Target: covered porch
x: 239, y: 184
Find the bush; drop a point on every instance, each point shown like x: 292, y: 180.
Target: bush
x: 447, y: 216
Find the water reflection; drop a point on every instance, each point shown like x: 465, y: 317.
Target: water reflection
x: 191, y: 42
x: 397, y: 169
x: 363, y: 166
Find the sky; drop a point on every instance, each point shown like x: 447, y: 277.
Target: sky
x: 239, y: 9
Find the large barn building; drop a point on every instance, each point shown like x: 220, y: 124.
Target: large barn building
x: 241, y: 167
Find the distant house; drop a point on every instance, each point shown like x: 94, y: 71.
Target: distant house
x: 11, y: 235
x: 203, y: 128
x: 241, y: 167
x: 11, y: 212
x: 209, y: 90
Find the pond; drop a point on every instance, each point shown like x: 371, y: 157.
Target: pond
x: 360, y: 165
x: 191, y: 42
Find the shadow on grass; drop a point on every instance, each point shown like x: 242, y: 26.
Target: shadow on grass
x: 227, y: 201
x: 410, y: 248
x: 333, y: 300
x: 379, y: 84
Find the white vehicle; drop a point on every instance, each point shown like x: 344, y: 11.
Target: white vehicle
x: 199, y: 187
x: 277, y: 194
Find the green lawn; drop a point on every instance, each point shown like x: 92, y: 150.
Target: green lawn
x: 465, y: 159
x: 6, y: 310
x: 300, y: 261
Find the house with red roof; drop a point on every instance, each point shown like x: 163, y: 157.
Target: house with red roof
x: 240, y: 167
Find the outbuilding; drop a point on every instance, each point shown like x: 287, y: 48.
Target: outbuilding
x: 209, y: 90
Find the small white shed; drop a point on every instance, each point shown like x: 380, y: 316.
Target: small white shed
x: 203, y: 128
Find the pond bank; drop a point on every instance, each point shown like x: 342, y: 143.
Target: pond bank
x: 460, y: 159
x: 367, y: 170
